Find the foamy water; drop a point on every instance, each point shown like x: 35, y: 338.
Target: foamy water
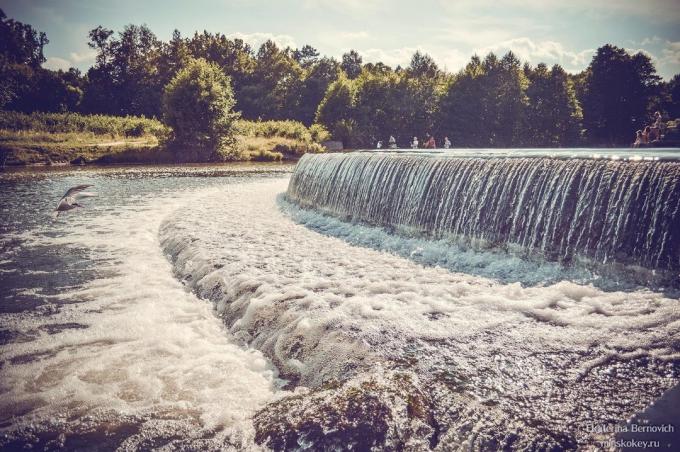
x: 184, y: 306
x: 129, y: 358
x: 536, y: 362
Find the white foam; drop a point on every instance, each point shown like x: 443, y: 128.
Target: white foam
x: 288, y: 288
x: 151, y: 350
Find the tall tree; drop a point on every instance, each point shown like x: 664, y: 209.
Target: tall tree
x: 351, y: 64
x: 423, y: 66
x: 617, y: 94
x: 234, y: 56
x: 673, y: 90
x: 336, y: 110
x: 306, y: 56
x: 316, y: 81
x: 274, y: 87
x: 20, y: 43
x: 198, y: 104
x: 553, y: 113
x: 461, y: 116
x: 504, y: 101
x: 125, y: 78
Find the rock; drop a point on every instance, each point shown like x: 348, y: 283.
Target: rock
x: 369, y: 413
x: 333, y: 145
x: 80, y: 160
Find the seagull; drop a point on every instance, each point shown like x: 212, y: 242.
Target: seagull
x: 68, y: 201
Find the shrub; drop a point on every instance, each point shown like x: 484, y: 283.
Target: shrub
x: 267, y: 156
x: 299, y: 148
x: 294, y: 130
x: 198, y: 104
x: 319, y: 133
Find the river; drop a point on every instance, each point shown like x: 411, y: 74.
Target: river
x: 200, y: 308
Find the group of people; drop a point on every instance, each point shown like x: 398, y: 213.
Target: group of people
x: 430, y: 143
x: 650, y: 134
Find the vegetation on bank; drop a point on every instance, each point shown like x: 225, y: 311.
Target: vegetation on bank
x: 198, y: 105
x: 98, y: 125
x: 495, y: 101
x: 57, y: 138
x: 46, y: 138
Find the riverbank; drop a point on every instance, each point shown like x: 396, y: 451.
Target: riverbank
x: 71, y: 139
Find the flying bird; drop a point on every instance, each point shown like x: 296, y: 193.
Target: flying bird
x: 70, y: 198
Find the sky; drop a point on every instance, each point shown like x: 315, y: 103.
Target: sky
x: 566, y: 32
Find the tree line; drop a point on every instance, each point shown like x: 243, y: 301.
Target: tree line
x: 495, y: 101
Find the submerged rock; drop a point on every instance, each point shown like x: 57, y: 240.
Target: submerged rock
x: 383, y: 412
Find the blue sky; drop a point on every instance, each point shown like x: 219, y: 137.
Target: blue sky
x: 564, y: 32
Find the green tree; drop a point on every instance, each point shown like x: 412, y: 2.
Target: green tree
x: 673, y: 90
x: 21, y: 54
x: 617, y: 95
x: 20, y: 43
x: 335, y: 110
x: 316, y: 81
x: 125, y: 79
x: 504, y: 101
x: 461, y: 116
x: 172, y: 57
x: 423, y: 66
x: 26, y: 86
x: 351, y: 64
x: 378, y: 109
x: 306, y: 56
x: 198, y: 105
x: 233, y: 56
x: 421, y: 85
x: 274, y: 88
x: 553, y: 113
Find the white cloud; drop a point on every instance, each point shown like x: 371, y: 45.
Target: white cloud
x: 450, y: 59
x: 391, y: 57
x: 56, y: 63
x: 353, y: 35
x: 345, y: 6
x: 651, y: 41
x: 671, y: 54
x: 661, y: 10
x: 549, y: 52
x: 257, y: 39
x: 87, y: 56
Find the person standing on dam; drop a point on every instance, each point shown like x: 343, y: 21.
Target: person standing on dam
x: 430, y: 143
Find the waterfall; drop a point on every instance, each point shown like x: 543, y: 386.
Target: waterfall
x: 562, y: 209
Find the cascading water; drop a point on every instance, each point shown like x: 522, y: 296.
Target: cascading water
x: 322, y: 341
x: 603, y: 211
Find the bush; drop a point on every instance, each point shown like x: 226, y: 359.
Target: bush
x: 299, y: 148
x: 319, y: 133
x: 198, y: 104
x: 294, y: 130
x: 267, y: 156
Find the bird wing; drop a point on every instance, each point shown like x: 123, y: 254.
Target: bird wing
x: 83, y: 194
x: 65, y: 204
x: 78, y: 188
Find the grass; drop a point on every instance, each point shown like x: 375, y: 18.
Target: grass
x: 28, y: 147
x: 59, y: 138
x: 99, y: 125
x: 283, y: 129
x: 277, y: 140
